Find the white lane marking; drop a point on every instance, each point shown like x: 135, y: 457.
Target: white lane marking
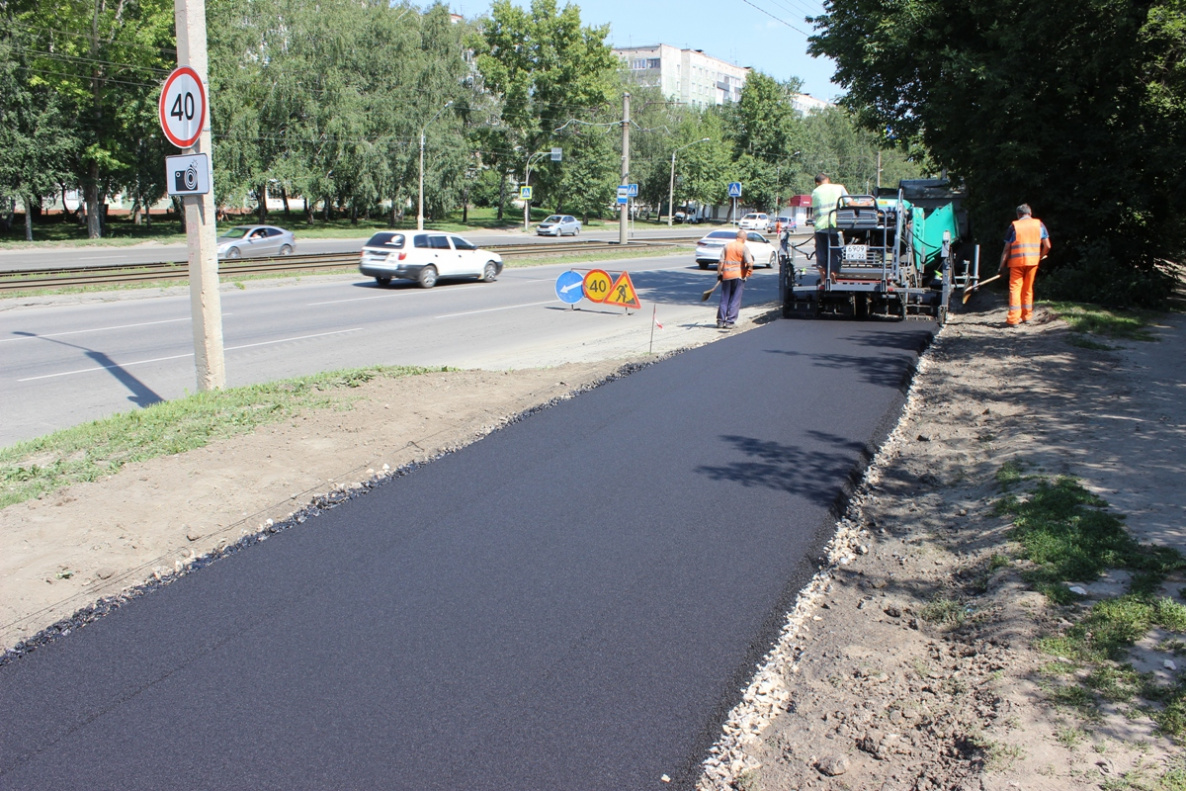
x: 181, y: 356
x: 450, y: 290
x: 492, y: 310
x: 97, y: 329
x: 297, y: 338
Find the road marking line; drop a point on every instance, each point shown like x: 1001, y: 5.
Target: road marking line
x: 451, y: 290
x: 297, y: 338
x: 98, y: 329
x: 181, y: 356
x: 491, y: 310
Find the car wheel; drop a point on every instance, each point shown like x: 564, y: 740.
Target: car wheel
x: 490, y: 272
x: 703, y: 264
x: 233, y: 253
x: 383, y: 281
x: 286, y: 250
x: 576, y: 231
x: 427, y: 277
x: 773, y: 260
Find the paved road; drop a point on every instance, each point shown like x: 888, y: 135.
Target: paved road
x: 80, y: 256
x: 66, y: 364
x: 573, y: 602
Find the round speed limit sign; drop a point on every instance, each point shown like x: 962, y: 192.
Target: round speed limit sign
x: 596, y: 285
x: 183, y: 107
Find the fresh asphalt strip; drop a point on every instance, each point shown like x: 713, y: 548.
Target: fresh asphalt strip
x: 573, y: 602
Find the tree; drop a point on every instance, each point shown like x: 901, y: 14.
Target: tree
x: 1074, y: 106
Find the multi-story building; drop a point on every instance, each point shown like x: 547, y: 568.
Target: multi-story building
x: 687, y: 76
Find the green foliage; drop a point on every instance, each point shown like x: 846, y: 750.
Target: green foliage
x: 1074, y: 106
x: 90, y: 451
x: 1128, y: 325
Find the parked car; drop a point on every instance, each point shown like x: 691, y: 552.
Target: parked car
x: 756, y: 221
x: 559, y: 225
x: 243, y: 241
x: 426, y: 256
x: 710, y: 246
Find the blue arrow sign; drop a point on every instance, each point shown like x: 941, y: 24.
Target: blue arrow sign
x: 568, y: 287
x: 734, y: 189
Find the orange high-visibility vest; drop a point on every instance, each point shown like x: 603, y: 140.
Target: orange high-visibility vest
x: 731, y: 260
x: 1026, y: 248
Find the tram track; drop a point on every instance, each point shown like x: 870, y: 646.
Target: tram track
x: 128, y: 274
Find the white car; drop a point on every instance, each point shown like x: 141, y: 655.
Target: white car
x: 710, y: 246
x: 426, y: 256
x: 755, y: 221
x: 559, y: 225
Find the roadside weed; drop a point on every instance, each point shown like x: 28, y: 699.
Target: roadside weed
x: 1085, y: 318
x: 88, y: 452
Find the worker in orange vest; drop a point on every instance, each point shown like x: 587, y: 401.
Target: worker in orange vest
x: 737, y: 264
x: 1026, y: 244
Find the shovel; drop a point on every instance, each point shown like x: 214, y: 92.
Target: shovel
x: 704, y: 297
x: 968, y: 293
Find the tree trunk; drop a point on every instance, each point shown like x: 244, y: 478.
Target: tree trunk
x: 28, y: 218
x: 263, y: 203
x: 93, y: 229
x: 180, y: 209
x: 308, y: 212
x: 353, y: 213
x: 465, y: 204
x: 284, y: 194
x: 502, y: 193
x: 327, y: 208
x: 136, y: 213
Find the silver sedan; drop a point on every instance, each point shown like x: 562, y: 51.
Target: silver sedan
x: 559, y: 225
x: 710, y: 246
x: 243, y: 241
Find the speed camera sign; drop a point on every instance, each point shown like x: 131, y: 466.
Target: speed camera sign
x: 183, y: 107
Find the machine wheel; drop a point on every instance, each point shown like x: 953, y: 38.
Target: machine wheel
x: 490, y: 272
x: 233, y: 253
x: 861, y: 306
x: 286, y: 250
x: 383, y: 281
x: 427, y: 277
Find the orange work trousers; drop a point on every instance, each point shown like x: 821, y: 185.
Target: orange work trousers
x: 1021, y: 293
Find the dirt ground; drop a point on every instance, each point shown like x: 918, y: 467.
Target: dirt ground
x: 861, y: 692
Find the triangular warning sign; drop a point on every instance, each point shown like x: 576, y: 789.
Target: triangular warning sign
x: 622, y: 293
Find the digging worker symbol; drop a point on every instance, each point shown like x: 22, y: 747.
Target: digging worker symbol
x: 737, y: 264
x: 1026, y: 244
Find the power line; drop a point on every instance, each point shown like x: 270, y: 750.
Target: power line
x: 776, y: 19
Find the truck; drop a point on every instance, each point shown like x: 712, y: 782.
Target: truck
x: 897, y: 254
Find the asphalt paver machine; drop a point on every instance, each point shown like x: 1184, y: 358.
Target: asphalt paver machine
x: 890, y: 258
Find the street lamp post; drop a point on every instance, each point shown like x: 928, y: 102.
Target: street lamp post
x: 527, y: 183
x: 671, y: 192
x: 420, y: 201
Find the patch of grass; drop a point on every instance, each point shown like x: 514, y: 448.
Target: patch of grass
x: 997, y: 756
x: 943, y: 611
x: 1070, y: 737
x: 1088, y: 343
x: 1010, y: 474
x: 1140, y: 779
x: 41, y: 466
x: 1070, y: 535
x: 1084, y: 318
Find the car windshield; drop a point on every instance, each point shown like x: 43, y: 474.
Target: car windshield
x: 238, y: 232
x: 721, y: 235
x: 751, y: 216
x: 392, y: 240
x: 554, y: 218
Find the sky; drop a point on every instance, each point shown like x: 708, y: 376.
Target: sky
x: 768, y: 35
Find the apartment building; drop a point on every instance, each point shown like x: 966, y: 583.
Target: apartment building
x: 687, y: 76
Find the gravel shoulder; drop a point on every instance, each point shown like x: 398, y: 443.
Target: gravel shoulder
x: 863, y: 691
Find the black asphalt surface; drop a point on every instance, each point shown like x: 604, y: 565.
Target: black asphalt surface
x: 574, y: 602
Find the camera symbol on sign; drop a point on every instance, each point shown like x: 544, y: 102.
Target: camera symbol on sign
x: 186, y: 180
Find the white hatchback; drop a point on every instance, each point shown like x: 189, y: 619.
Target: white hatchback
x: 755, y: 221
x: 710, y: 246
x: 426, y: 256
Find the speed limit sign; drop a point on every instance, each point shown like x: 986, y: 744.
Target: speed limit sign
x: 183, y: 107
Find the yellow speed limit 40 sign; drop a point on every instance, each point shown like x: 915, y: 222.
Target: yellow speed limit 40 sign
x: 597, y: 284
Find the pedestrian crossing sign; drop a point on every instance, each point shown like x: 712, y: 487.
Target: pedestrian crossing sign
x: 622, y: 293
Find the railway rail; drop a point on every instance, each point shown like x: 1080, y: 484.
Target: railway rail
x: 125, y: 274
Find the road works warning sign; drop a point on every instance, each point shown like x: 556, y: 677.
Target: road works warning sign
x: 622, y: 293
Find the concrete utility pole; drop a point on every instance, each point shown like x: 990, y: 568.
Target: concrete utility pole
x: 623, y: 227
x: 200, y: 231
